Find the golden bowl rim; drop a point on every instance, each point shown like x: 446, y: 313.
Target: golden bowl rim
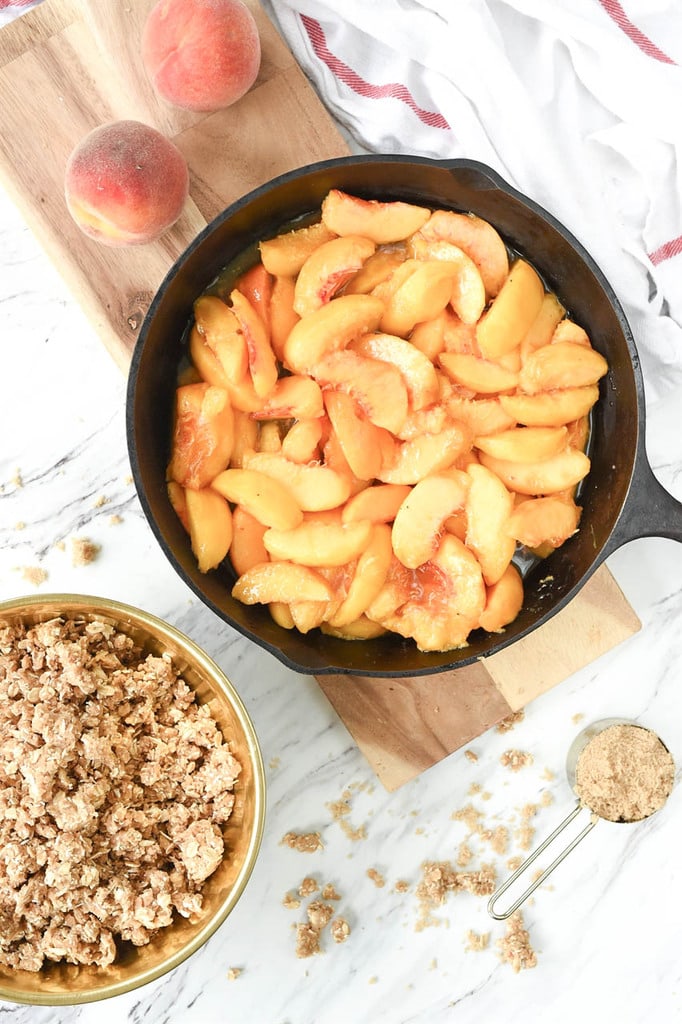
x: 160, y: 629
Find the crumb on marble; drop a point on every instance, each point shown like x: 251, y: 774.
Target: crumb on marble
x: 340, y: 929
x: 304, y: 842
x: 439, y: 878
x: 498, y: 838
x: 515, y: 760
x: 477, y: 941
x: 34, y: 574
x: 471, y: 755
x: 464, y: 855
x: 402, y: 886
x: 307, y: 941
x: 373, y: 980
x: 101, y: 501
x: 376, y: 877
x: 60, y: 545
x: 515, y: 948
x: 115, y: 520
x: 233, y: 973
x: 329, y: 892
x: 290, y: 902
x: 83, y: 551
x: 308, y: 886
x: 21, y: 525
x: 578, y: 717
x: 274, y: 763
x: 475, y: 788
x: 17, y: 479
x: 470, y: 816
x: 340, y: 809
x: 508, y: 723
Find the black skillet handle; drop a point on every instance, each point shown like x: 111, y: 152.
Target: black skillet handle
x: 649, y: 510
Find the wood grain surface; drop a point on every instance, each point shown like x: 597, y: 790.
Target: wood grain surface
x: 70, y: 65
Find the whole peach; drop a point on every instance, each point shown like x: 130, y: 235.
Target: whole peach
x: 201, y: 55
x: 125, y: 183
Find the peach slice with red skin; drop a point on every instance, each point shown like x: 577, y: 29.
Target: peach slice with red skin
x: 379, y: 503
x: 314, y: 488
x: 524, y: 444
x: 220, y: 329
x: 356, y: 434
x: 256, y: 285
x: 550, y: 520
x: 262, y: 362
x: 319, y: 543
x: 383, y: 222
x: 378, y: 387
x: 477, y: 238
x: 295, y: 397
x: 560, y: 365
x: 416, y: 368
x: 327, y: 269
x: 512, y: 312
x: 283, y: 316
x: 247, y: 548
x: 481, y: 376
x: 203, y: 435
x: 329, y: 329
x: 266, y: 499
x: 284, y: 582
x: 504, y: 601
x: 368, y: 578
x: 488, y: 507
x: 468, y: 297
x: 550, y: 408
x: 419, y: 521
x: 210, y: 526
x: 557, y: 473
x: 285, y: 254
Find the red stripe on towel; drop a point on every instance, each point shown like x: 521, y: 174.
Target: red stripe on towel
x: 617, y: 14
x: 350, y: 78
x: 666, y: 251
x: 4, y: 4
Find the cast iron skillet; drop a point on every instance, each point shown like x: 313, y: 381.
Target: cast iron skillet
x: 621, y: 498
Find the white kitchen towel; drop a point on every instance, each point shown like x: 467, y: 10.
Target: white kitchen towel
x: 577, y: 103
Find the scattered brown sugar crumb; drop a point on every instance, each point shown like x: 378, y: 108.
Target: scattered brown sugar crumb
x: 21, y: 525
x: 402, y: 886
x: 529, y: 811
x: 307, y: 941
x: 464, y: 855
x: 340, y: 809
x: 274, y: 763
x: 508, y: 723
x: 34, y: 574
x: 319, y: 914
x: 624, y: 773
x: 578, y: 717
x: 477, y: 942
x: 514, y: 862
x: 354, y: 834
x: 471, y: 755
x: 498, y: 838
x: 101, y: 501
x: 83, y: 551
x: 308, y: 886
x: 329, y: 892
x: 17, y: 479
x: 515, y: 948
x: 470, y: 816
x: 340, y: 929
x: 233, y: 973
x: 376, y: 877
x: 115, y: 520
x: 291, y: 902
x: 548, y: 775
x: 516, y: 759
x: 60, y: 545
x: 525, y: 836
x: 439, y: 878
x: 546, y: 799
x: 128, y: 479
x: 304, y: 842
x: 475, y: 788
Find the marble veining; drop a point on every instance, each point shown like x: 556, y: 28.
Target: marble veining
x: 606, y: 925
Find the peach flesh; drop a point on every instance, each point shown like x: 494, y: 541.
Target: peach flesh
x: 201, y: 55
x: 125, y: 183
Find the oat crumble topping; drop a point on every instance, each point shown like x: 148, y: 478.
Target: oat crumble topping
x: 83, y: 551
x: 307, y: 887
x: 508, y: 723
x: 515, y: 948
x: 304, y: 842
x: 34, y: 574
x: 376, y: 877
x: 516, y: 759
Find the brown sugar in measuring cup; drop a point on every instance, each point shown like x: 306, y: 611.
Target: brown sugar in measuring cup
x: 621, y: 772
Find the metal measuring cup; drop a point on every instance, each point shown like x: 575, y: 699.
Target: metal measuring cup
x: 574, y: 752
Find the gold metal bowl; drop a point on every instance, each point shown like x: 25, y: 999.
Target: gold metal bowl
x: 66, y: 984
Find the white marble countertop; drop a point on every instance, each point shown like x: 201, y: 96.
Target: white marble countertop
x: 605, y: 929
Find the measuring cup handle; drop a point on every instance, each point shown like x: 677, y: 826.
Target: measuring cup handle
x: 531, y: 859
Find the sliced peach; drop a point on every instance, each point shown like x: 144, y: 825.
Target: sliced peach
x: 419, y: 522
x: 327, y: 269
x: 379, y: 504
x: 488, y: 507
x: 270, y: 436
x: 362, y: 629
x: 568, y: 330
x: 314, y: 487
x: 416, y: 369
x: 456, y: 524
x: 295, y: 397
x: 302, y: 440
x: 541, y: 330
x: 578, y: 433
x: 205, y: 361
x: 383, y: 222
x: 281, y: 582
x: 504, y: 601
x: 220, y: 329
x: 540, y: 521
x: 262, y: 362
x: 283, y: 316
x: 424, y: 454
x: 243, y: 395
x: 468, y: 295
x: 307, y: 615
x: 368, y: 579
x: 285, y: 254
x: 562, y: 364
x: 512, y: 312
x: 247, y: 548
x: 550, y: 409
x: 245, y: 438
x: 203, y: 435
x: 319, y: 544
x: 330, y: 328
x: 424, y: 421
x: 458, y: 336
x: 176, y: 496
x: 440, y: 602
x: 481, y: 376
x: 210, y: 527
x: 256, y: 285
x: 356, y: 435
x: 376, y: 269
x: 511, y: 361
x: 266, y: 499
x: 480, y: 415
x: 545, y: 477
x: 378, y: 387
x: 524, y: 444
x: 386, y: 289
x: 281, y: 614
x: 429, y: 336
x: 422, y: 296
x: 334, y: 458
x: 477, y: 238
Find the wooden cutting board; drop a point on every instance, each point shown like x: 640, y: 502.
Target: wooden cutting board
x: 70, y: 65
